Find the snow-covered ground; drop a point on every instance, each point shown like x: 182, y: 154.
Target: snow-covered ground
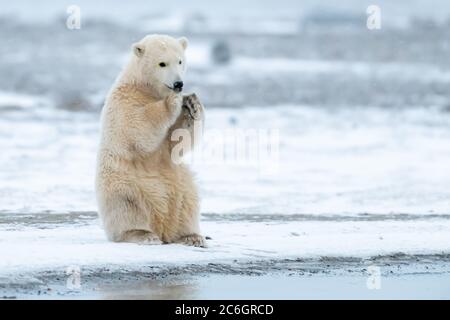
x: 329, y: 162
x: 59, y: 246
x: 349, y: 183
x: 361, y: 124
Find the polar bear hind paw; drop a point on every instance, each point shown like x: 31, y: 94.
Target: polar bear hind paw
x: 194, y: 240
x: 141, y: 237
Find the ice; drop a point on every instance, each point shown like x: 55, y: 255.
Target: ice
x: 19, y: 101
x: 362, y: 117
x: 34, y: 249
x: 336, y: 163
x: 330, y: 162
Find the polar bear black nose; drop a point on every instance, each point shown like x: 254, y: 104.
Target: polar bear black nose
x: 178, y: 85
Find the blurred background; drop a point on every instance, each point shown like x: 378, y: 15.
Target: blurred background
x: 363, y: 115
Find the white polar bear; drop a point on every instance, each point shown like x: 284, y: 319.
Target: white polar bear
x: 144, y: 196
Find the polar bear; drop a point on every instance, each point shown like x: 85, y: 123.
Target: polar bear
x: 143, y: 195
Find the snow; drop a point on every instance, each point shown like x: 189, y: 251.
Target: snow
x: 20, y: 101
x: 335, y: 163
x: 346, y: 161
x: 33, y: 249
x: 395, y: 70
x: 278, y: 17
x: 361, y: 167
x: 339, y: 162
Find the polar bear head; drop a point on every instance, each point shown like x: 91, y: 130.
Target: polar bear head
x: 158, y: 62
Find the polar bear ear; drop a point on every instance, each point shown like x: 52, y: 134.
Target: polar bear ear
x: 138, y: 49
x: 184, y: 42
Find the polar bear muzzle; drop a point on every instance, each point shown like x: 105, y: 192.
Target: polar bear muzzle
x: 178, y: 86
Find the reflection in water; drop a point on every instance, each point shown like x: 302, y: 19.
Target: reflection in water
x: 400, y: 286
x: 174, y: 288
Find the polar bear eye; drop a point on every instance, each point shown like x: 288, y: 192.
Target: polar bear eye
x: 162, y: 64
x: 180, y: 62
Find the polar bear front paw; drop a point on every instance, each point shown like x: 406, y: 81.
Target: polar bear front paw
x: 195, y: 240
x: 174, y: 102
x: 193, y: 107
